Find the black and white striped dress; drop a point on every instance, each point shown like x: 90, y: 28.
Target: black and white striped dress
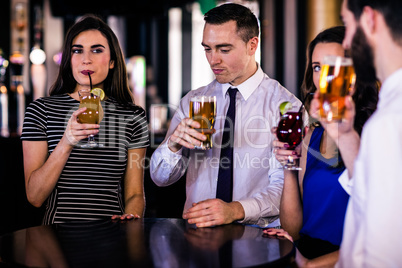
x: 89, y: 187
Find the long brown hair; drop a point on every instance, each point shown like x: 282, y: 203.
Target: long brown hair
x: 116, y: 82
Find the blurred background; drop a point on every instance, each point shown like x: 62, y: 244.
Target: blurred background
x: 161, y: 41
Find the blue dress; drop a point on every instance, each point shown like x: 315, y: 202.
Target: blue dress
x: 324, y: 199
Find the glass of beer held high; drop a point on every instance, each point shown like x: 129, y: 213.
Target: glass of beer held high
x: 203, y: 110
x: 337, y: 80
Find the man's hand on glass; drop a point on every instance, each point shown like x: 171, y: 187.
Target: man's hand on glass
x: 186, y: 135
x: 335, y: 129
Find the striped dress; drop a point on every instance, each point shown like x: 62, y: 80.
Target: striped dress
x: 90, y: 185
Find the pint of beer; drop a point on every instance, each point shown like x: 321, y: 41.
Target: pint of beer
x: 336, y: 81
x: 203, y: 110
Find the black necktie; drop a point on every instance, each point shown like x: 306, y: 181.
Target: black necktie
x: 225, y: 176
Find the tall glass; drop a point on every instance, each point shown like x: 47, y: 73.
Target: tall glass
x: 203, y: 110
x: 337, y: 79
x: 92, y: 115
x: 290, y: 130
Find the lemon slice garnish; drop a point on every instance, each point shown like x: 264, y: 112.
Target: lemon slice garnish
x: 98, y: 92
x: 284, y: 107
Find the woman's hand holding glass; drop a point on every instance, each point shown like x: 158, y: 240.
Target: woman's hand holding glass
x: 283, y: 153
x: 75, y: 131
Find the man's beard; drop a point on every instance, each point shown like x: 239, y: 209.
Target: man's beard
x: 363, y: 57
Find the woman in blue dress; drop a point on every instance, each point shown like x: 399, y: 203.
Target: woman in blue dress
x: 313, y: 203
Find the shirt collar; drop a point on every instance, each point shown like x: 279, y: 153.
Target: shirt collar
x: 247, y: 87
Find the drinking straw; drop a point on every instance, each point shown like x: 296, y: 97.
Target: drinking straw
x: 90, y: 80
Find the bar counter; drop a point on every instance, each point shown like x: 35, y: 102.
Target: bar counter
x: 147, y: 242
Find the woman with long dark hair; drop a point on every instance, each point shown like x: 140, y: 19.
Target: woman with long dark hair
x: 86, y: 183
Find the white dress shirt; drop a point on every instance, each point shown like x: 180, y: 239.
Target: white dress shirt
x: 258, y: 177
x: 372, y: 234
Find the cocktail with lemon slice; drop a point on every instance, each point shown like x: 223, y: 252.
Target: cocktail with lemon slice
x: 290, y: 130
x: 91, y: 99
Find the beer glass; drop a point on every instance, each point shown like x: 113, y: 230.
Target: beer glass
x: 337, y: 79
x: 290, y: 130
x: 203, y: 110
x: 92, y: 115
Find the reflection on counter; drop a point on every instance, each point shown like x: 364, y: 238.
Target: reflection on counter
x: 148, y: 242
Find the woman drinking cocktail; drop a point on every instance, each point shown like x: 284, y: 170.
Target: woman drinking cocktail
x: 80, y: 183
x: 93, y: 113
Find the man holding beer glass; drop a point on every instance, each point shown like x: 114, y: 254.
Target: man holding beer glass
x: 371, y: 236
x: 250, y: 99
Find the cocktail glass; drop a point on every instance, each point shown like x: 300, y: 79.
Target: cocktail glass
x: 290, y: 130
x: 92, y: 115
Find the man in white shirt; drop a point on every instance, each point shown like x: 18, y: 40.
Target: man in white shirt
x: 372, y: 234
x: 230, y: 40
